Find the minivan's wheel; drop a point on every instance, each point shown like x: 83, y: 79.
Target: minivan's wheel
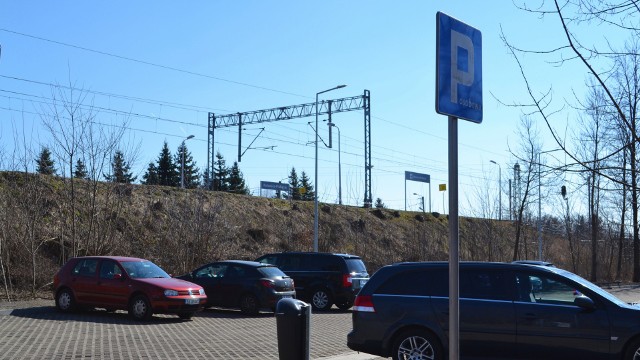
x: 249, y: 304
x: 140, y: 308
x: 65, y: 301
x: 321, y: 300
x: 417, y: 344
x: 633, y: 351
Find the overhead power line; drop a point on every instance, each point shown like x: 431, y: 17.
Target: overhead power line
x: 150, y: 63
x: 118, y: 96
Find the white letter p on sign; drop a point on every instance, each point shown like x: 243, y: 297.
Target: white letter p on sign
x: 458, y: 76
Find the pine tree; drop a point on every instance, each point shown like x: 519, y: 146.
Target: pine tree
x: 120, y: 170
x: 379, y: 204
x: 294, y: 185
x: 44, y: 163
x: 206, y: 181
x: 168, y: 174
x: 221, y: 174
x: 81, y: 171
x: 191, y: 172
x: 151, y: 176
x: 305, y: 182
x: 236, y: 181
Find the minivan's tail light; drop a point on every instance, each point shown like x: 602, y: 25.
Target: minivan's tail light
x: 267, y: 283
x: 363, y: 303
x: 347, y: 280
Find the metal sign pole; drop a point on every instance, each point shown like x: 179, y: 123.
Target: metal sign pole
x: 459, y: 95
x: 454, y: 303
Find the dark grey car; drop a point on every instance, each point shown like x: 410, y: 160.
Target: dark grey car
x: 403, y: 312
x: 247, y: 285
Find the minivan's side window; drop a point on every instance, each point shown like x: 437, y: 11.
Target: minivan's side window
x: 289, y: 263
x: 325, y: 263
x: 485, y: 284
x: 548, y: 290
x: 86, y: 267
x: 417, y: 282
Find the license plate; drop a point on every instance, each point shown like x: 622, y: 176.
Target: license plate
x: 359, y: 283
x: 192, y: 301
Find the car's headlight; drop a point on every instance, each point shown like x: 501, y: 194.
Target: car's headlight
x: 170, y: 293
x: 201, y: 291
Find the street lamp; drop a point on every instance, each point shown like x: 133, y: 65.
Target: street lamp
x: 421, y: 200
x: 315, y: 195
x: 499, y: 189
x: 339, y: 164
x: 182, y: 163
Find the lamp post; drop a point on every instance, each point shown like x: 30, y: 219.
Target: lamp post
x: 182, y: 163
x: 499, y: 189
x: 339, y: 164
x: 421, y: 200
x: 315, y: 195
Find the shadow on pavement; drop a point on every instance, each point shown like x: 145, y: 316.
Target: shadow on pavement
x: 92, y: 316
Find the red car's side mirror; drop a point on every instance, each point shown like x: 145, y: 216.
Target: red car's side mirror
x: 117, y: 276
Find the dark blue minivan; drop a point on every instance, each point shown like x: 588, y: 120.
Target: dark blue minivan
x: 507, y: 311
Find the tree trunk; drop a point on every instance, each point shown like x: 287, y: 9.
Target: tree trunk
x: 634, y: 209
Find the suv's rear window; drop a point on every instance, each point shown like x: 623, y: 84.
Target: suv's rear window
x: 355, y: 265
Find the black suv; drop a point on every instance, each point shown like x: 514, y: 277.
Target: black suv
x: 507, y: 311
x: 322, y: 279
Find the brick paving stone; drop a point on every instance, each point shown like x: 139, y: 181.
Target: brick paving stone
x: 38, y: 331
x: 35, y: 330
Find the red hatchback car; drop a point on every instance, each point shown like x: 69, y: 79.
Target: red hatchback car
x: 124, y: 283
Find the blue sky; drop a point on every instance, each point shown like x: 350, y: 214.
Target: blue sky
x: 195, y: 57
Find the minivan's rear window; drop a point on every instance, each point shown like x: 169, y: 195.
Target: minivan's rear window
x: 356, y: 265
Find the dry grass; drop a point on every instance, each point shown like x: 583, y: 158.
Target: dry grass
x: 181, y: 229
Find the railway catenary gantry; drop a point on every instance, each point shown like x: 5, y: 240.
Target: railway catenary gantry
x: 325, y: 107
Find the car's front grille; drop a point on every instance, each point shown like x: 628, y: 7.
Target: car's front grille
x: 188, y: 292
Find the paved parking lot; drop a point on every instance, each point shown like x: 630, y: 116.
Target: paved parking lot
x: 35, y: 330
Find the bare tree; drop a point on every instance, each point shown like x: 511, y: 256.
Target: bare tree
x: 526, y: 177
x: 620, y: 18
x: 627, y: 76
x: 66, y: 118
x: 589, y: 145
x: 72, y: 122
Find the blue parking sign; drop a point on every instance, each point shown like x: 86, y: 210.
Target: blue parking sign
x: 458, y: 69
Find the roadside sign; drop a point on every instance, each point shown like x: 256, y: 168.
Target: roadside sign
x: 442, y: 187
x: 414, y: 176
x: 458, y: 69
x: 269, y: 185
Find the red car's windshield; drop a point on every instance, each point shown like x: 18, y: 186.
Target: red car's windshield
x: 143, y: 270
